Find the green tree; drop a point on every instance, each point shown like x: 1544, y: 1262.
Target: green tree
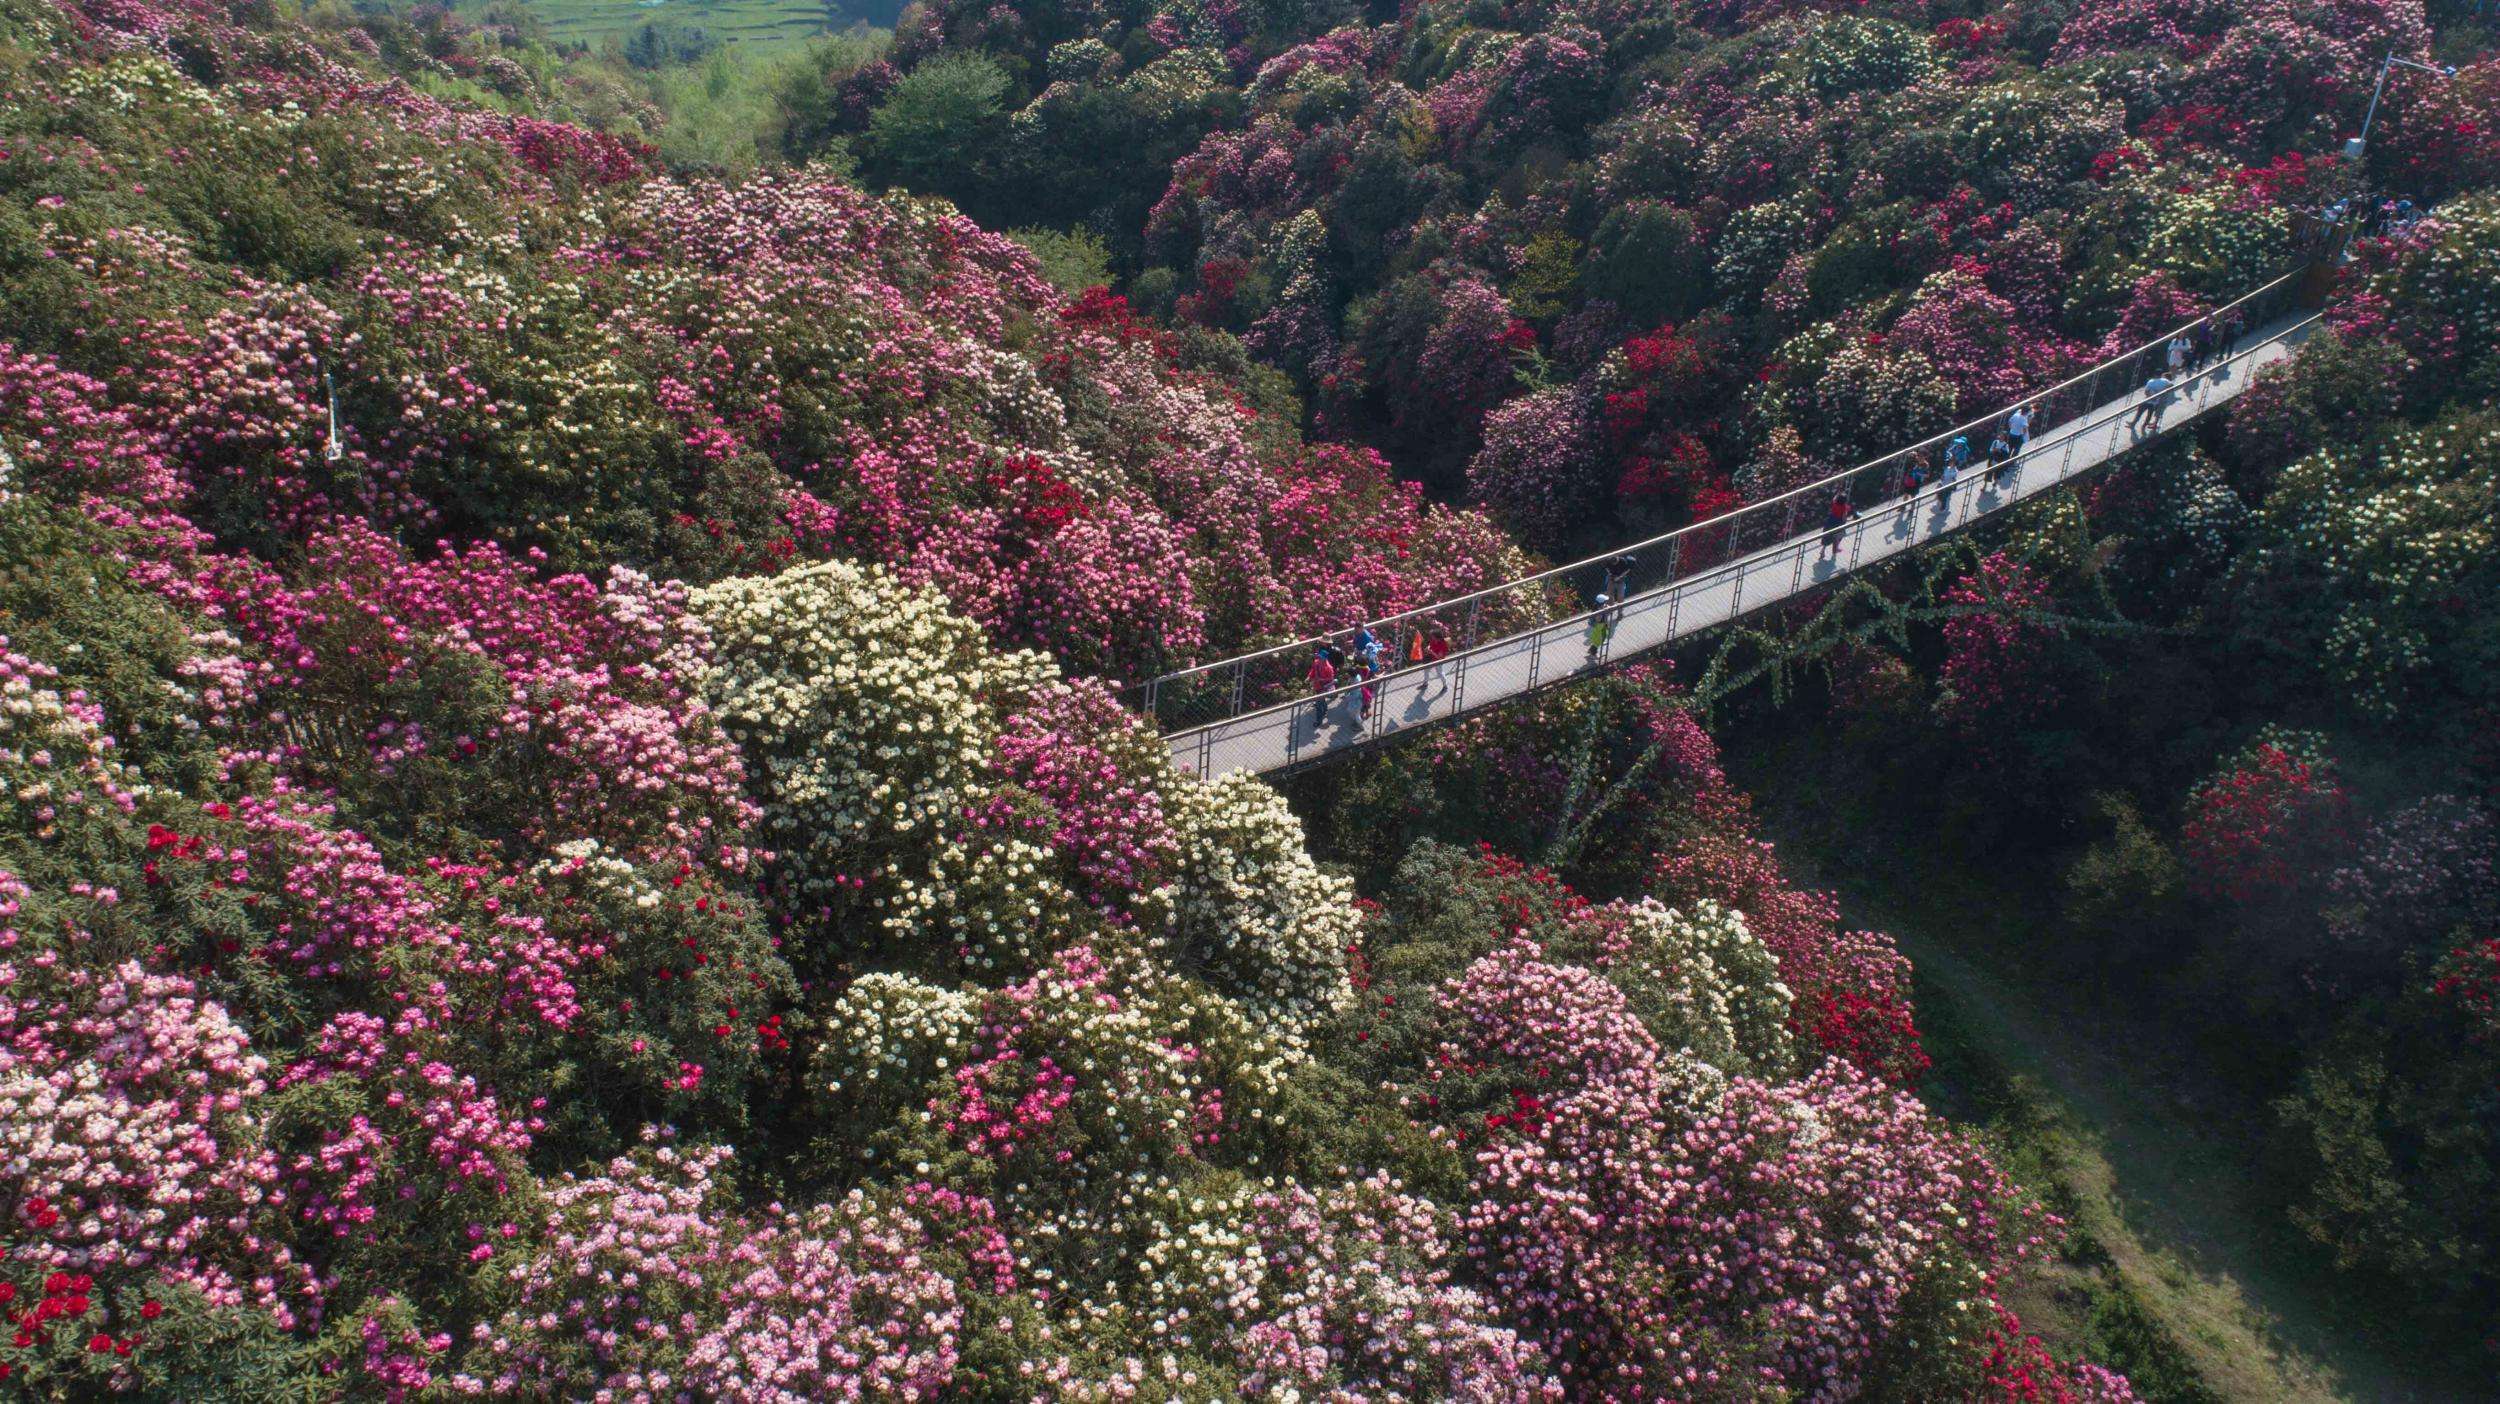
x: 934, y: 131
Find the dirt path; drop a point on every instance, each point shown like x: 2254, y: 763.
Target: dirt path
x: 2161, y: 1181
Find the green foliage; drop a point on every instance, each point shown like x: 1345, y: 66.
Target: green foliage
x: 1548, y: 273
x: 2392, y: 1139
x: 1072, y: 259
x: 805, y: 93
x: 1649, y: 260
x: 2125, y: 893
x: 939, y: 126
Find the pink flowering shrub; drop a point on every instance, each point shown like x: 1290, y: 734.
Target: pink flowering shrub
x: 1997, y: 672
x: 1654, y: 1222
x: 1541, y: 469
x: 648, y: 1275
x: 135, y: 1146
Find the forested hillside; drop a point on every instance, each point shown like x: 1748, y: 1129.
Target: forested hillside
x: 568, y: 832
x: 564, y: 837
x: 1605, y: 267
x: 1601, y: 269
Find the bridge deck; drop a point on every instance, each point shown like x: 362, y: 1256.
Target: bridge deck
x: 1299, y: 733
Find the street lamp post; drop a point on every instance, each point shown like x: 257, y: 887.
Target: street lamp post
x: 2354, y: 147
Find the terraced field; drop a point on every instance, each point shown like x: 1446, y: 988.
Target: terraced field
x: 752, y: 23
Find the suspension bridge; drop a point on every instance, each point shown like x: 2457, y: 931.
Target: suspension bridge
x: 1253, y: 712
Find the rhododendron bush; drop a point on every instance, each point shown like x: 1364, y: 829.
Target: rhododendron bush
x: 1657, y: 1178
x: 448, y: 339
x: 569, y: 829
x: 1442, y: 220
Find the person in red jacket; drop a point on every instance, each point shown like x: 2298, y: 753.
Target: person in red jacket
x: 1833, y: 520
x: 1322, y: 677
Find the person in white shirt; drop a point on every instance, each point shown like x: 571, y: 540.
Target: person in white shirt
x: 2178, y: 354
x: 2018, y: 428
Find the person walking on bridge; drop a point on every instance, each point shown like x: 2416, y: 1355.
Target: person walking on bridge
x: 2202, y: 343
x: 1836, y: 521
x: 2018, y: 427
x: 2147, y: 415
x: 1322, y: 678
x: 1601, y: 626
x: 1913, y: 477
x: 1619, y: 576
x: 1436, y: 654
x: 2000, y: 459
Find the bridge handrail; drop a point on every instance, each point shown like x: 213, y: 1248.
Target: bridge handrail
x: 1702, y: 578
x: 1149, y: 689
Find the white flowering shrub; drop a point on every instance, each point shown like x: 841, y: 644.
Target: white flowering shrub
x: 1850, y: 53
x: 1705, y: 986
x: 867, y: 709
x: 987, y: 902
x: 2212, y: 241
x: 1253, y: 914
x: 2376, y: 548
x: 866, y: 705
x: 882, y: 1047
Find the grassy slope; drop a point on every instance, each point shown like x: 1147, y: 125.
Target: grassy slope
x: 2178, y: 1272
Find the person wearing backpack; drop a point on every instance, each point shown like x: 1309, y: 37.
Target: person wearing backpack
x: 1913, y: 477
x: 1601, y: 627
x: 1619, y: 576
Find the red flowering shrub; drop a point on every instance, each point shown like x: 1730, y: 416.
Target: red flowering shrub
x: 2259, y: 824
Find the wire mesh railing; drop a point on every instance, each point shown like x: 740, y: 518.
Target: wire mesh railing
x: 1299, y: 729
x: 1212, y: 692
